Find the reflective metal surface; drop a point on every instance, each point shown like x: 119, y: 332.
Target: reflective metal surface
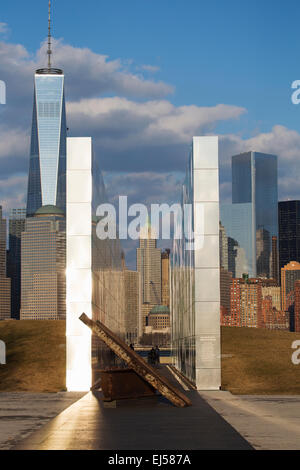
x: 195, y: 273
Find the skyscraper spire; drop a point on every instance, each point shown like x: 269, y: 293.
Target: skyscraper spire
x: 49, y: 52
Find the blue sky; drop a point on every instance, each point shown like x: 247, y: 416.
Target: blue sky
x: 144, y: 76
x: 243, y: 53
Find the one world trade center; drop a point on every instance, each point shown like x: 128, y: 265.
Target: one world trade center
x: 47, y: 167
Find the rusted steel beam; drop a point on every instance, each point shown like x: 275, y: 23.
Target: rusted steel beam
x: 124, y: 383
x: 134, y: 361
x: 182, y: 377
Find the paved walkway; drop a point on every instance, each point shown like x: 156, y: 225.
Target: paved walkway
x: 217, y: 420
x: 23, y: 413
x: 148, y: 423
x: 267, y: 422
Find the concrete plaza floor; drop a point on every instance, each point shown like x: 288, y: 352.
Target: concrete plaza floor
x: 217, y: 420
x: 23, y: 413
x: 267, y: 422
x: 144, y: 424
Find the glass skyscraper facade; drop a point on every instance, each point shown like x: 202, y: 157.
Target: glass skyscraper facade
x: 16, y: 227
x: 252, y: 219
x: 289, y: 232
x: 47, y: 167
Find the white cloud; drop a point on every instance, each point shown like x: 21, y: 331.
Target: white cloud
x: 94, y: 73
x: 147, y: 139
x: 150, y: 122
x: 13, y: 142
x: 13, y: 192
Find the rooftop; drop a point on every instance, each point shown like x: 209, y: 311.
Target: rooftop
x: 49, y: 210
x: 160, y: 309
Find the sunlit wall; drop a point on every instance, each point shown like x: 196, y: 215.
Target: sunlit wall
x: 79, y: 262
x: 195, y: 273
x: 95, y: 275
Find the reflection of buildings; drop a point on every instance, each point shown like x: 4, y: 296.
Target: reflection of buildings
x: 237, y: 221
x: 149, y: 266
x: 5, y: 282
x: 289, y: 232
x: 223, y: 248
x: 263, y: 252
x: 43, y: 265
x: 225, y: 285
x: 16, y: 227
x: 289, y: 274
x: 195, y: 274
x: 133, y: 305
x: 159, y: 319
x: 237, y: 261
x: 47, y: 168
x: 251, y: 219
x: 95, y: 270
x: 165, y: 278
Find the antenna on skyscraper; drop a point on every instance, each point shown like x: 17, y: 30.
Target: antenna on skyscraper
x: 49, y: 52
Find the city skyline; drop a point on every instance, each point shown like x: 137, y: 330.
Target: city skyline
x: 149, y: 227
x: 159, y: 103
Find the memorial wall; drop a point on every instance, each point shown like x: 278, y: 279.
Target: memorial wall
x: 95, y: 275
x: 195, y: 271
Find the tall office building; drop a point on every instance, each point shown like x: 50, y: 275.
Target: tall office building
x: 252, y: 218
x: 16, y: 227
x: 47, y: 165
x: 43, y: 266
x: 289, y: 232
x: 289, y: 274
x: 149, y: 267
x: 165, y: 278
x: 223, y: 248
x: 5, y: 282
